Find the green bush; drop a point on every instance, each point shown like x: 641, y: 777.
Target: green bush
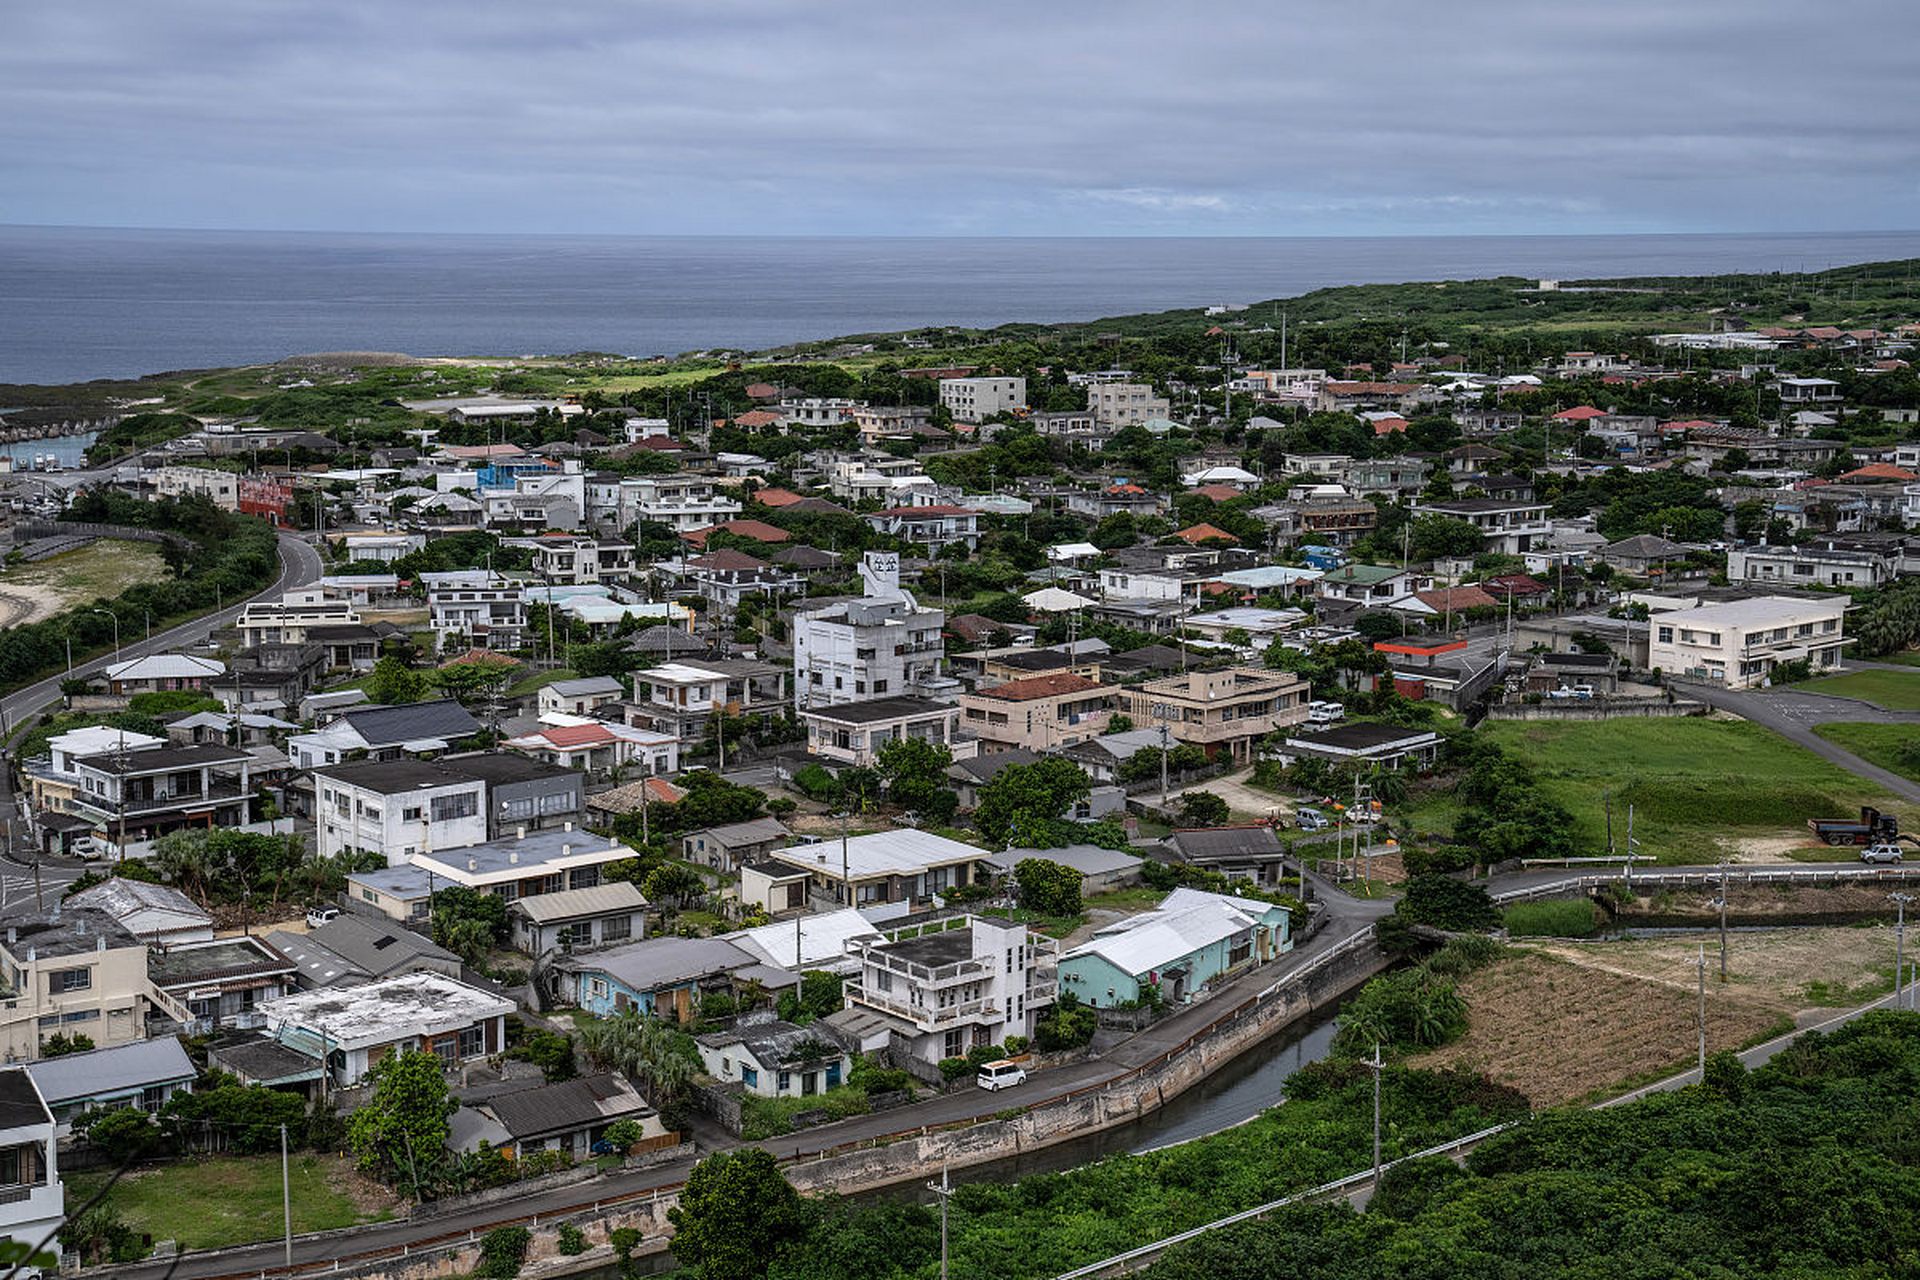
x: 1558, y: 918
x: 570, y: 1240
x: 1446, y: 903
x: 1068, y: 1025
x: 952, y: 1069
x: 622, y: 1134
x: 502, y: 1250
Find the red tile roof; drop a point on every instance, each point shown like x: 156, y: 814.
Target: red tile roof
x: 758, y: 530
x: 727, y: 559
x: 1879, y: 471
x: 1047, y: 686
x: 577, y: 735
x: 1386, y: 426
x: 1441, y: 599
x: 1579, y: 413
x: 1200, y: 533
x: 1218, y: 492
x: 762, y: 391
x: 777, y: 497
x: 756, y: 418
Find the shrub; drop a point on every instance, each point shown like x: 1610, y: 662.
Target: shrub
x: 571, y: 1240
x: 622, y: 1134
x: 1048, y: 887
x: 1068, y: 1025
x: 1446, y: 903
x: 502, y: 1250
x: 816, y: 782
x: 1016, y: 1045
x: 952, y: 1069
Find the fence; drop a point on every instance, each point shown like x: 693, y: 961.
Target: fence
x: 1598, y: 709
x: 29, y: 530
x: 1707, y: 879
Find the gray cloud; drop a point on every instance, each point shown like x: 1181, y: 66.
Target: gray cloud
x: 985, y: 117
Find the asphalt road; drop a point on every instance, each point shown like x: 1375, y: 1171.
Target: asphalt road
x: 1790, y: 716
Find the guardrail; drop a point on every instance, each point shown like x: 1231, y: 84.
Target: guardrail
x: 1711, y: 879
x: 1120, y: 1263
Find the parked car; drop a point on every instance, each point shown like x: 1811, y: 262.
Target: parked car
x: 1325, y: 713
x: 1880, y: 853
x: 995, y: 1076
x: 1311, y: 820
x: 319, y: 916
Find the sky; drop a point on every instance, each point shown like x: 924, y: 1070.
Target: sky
x: 981, y: 117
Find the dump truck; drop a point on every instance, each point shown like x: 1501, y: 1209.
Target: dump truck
x: 1872, y: 827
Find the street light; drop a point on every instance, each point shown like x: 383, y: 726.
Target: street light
x: 115, y: 619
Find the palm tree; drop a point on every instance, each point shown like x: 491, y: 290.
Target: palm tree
x: 1389, y: 786
x: 643, y: 1049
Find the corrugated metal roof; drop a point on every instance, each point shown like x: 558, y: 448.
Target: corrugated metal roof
x: 101, y: 1072
x: 568, y: 904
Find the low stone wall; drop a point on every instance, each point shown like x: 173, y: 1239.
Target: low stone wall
x: 1598, y: 709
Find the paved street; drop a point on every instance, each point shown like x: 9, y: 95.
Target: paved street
x: 1790, y: 714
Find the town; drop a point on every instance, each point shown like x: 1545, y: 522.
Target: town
x: 518, y: 788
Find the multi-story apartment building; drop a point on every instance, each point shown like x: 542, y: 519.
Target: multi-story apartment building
x: 1226, y: 711
x: 1510, y: 528
x: 883, y: 644
x: 475, y: 608
x: 1738, y: 643
x: 977, y: 399
x: 679, y: 502
x: 397, y: 808
x: 1808, y: 567
x: 955, y: 989
x: 877, y: 421
x: 579, y: 562
x: 818, y: 411
x: 75, y: 971
x: 222, y: 488
x: 853, y: 477
x: 288, y: 619
x: 1041, y: 713
x: 30, y: 1186
x: 935, y: 526
x: 1125, y: 404
x: 856, y: 732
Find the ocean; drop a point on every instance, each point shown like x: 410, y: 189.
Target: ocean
x: 84, y: 303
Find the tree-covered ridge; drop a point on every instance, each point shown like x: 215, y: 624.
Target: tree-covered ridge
x: 1805, y: 1167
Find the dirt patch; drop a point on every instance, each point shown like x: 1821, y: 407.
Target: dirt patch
x: 1768, y: 903
x: 1767, y: 848
x: 1793, y: 971
x: 1559, y: 1031
x: 98, y: 571
x: 370, y: 1199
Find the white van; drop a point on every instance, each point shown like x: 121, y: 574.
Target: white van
x: 995, y: 1076
x: 1325, y: 713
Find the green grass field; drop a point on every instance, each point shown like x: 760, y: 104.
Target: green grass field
x: 1692, y: 783
x: 226, y: 1200
x: 1891, y: 746
x: 1894, y: 690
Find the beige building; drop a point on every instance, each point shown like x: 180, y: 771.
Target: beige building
x: 76, y: 973
x: 222, y: 488
x: 1228, y: 710
x: 1040, y: 713
x: 1125, y: 404
x: 977, y: 399
x: 1738, y: 643
x: 854, y: 732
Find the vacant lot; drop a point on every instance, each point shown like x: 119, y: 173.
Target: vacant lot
x: 99, y: 571
x: 1695, y: 785
x: 1895, y: 690
x: 1564, y: 1021
x: 1895, y: 747
x: 226, y: 1200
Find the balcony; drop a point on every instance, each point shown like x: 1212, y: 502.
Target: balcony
x: 1042, y: 992
x: 920, y: 1015
x: 944, y: 975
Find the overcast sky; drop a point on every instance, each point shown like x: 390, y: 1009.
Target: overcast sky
x: 1031, y: 117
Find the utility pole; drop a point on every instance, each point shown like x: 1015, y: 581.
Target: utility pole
x: 286, y: 1195
x: 1900, y: 901
x: 1703, y: 1013
x: 944, y: 1190
x: 1376, y: 1116
x: 1721, y: 902
x: 1629, y: 846
x: 1164, y: 734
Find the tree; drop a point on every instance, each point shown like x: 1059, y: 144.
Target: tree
x: 644, y: 1049
x: 1048, y: 887
x: 120, y: 1133
x: 1434, y: 537
x: 915, y: 770
x: 392, y: 683
x: 1203, y: 809
x: 468, y: 922
x: 736, y: 1215
x: 1023, y: 801
x: 403, y: 1128
x: 59, y: 1044
x: 1446, y: 903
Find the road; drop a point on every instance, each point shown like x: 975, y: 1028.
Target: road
x: 1792, y: 715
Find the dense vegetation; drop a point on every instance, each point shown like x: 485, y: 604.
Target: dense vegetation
x: 1805, y: 1167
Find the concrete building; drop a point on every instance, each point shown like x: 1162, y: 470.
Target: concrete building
x: 885, y: 874
x: 1808, y: 567
x: 397, y: 808
x: 1040, y: 714
x: 221, y: 488
x: 75, y: 971
x: 1125, y: 404
x: 664, y: 977
x: 680, y: 502
x: 854, y: 732
x: 580, y: 697
x: 1192, y: 940
x: 1220, y: 711
x: 32, y: 1197
x: 880, y: 645
x: 603, y: 915
x: 940, y: 991
x: 473, y: 608
x: 977, y: 399
x: 1510, y: 528
x: 1738, y: 643
x: 769, y: 1058
x: 139, y: 795
x: 352, y: 1029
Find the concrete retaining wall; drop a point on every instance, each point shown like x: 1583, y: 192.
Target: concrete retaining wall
x: 1598, y: 709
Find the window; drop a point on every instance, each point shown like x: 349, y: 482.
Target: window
x: 473, y: 1041
x: 580, y: 933
x: 61, y: 980
x: 1666, y: 635
x: 447, y: 808
x: 749, y: 1077
x: 785, y: 1082
x: 410, y: 814
x: 616, y: 928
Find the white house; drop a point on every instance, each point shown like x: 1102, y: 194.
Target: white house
x: 580, y: 697
x: 397, y: 808
x: 946, y: 988
x: 774, y: 1059
x: 350, y: 1029
x: 977, y: 399
x: 32, y: 1199
x: 1738, y: 643
x: 881, y: 645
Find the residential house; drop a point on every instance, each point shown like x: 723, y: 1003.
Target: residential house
x: 30, y: 1186
x: 474, y: 608
x: 1371, y: 585
x: 222, y: 982
x: 1808, y: 567
x: 769, y: 1058
x: 397, y: 808
x: 885, y: 874
x: 140, y: 795
x: 1260, y: 627
x: 664, y: 977
x: 1252, y: 852
x: 353, y: 1029
x: 942, y: 990
x: 1114, y: 500
x: 1041, y: 713
x: 75, y: 971
x: 579, y: 561
x: 570, y: 1116
x: 524, y: 866
x: 1599, y: 672
x: 603, y: 915
x: 383, y: 733
x: 1510, y: 528
x: 1393, y: 477
x: 729, y: 847
x: 1101, y: 870
x: 287, y: 620
x: 728, y: 577
x: 221, y: 488
x: 1226, y: 711
x: 598, y: 747
x: 1644, y: 555
x: 581, y: 696
x: 162, y: 673
x: 854, y: 732
x: 143, y: 1075
x: 353, y: 949
x: 934, y: 527
x: 1191, y: 941
x: 1738, y: 643
x: 161, y: 914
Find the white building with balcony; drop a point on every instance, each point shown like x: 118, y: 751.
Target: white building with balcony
x: 977, y: 399
x: 679, y: 502
x: 818, y: 411
x: 1125, y: 404
x: 878, y: 646
x: 1510, y: 528
x: 32, y: 1199
x: 1738, y: 643
x: 475, y: 608
x: 951, y: 986
x: 397, y: 808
